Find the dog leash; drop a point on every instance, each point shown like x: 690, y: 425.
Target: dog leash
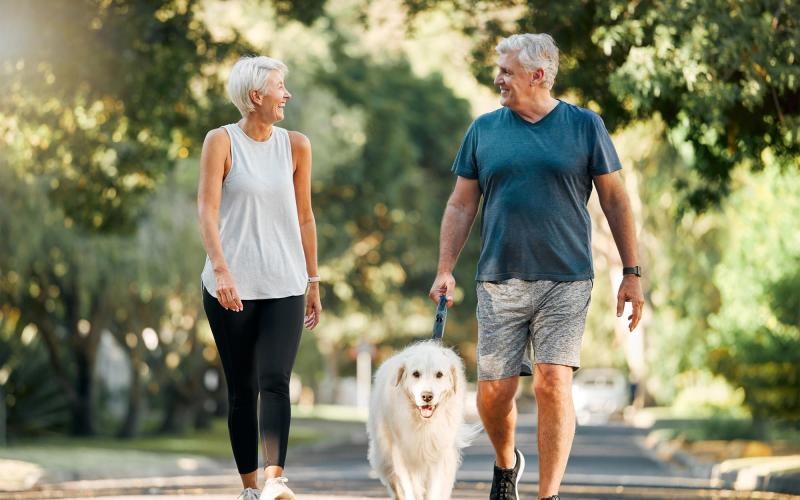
x: 441, y: 318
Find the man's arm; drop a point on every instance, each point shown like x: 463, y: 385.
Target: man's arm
x: 617, y: 209
x: 456, y: 223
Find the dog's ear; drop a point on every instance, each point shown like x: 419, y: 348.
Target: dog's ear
x: 456, y: 370
x: 400, y: 374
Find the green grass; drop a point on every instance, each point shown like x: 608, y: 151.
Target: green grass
x: 334, y: 413
x: 211, y: 442
x: 724, y: 428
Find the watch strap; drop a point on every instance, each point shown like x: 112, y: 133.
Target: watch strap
x: 632, y: 270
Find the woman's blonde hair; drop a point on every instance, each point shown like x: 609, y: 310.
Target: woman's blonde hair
x: 250, y: 73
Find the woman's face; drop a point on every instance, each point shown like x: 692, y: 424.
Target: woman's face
x: 274, y: 98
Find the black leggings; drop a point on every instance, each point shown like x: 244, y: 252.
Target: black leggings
x: 257, y: 347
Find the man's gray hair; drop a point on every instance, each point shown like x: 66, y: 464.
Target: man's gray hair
x: 534, y: 51
x: 250, y: 73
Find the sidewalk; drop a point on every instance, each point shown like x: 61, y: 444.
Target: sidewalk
x: 207, y: 487
x: 608, y: 462
x: 229, y: 496
x: 735, y: 465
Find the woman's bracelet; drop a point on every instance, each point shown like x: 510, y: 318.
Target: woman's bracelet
x: 313, y: 279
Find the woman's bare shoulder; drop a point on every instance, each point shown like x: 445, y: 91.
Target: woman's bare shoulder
x: 218, y: 137
x: 298, y: 140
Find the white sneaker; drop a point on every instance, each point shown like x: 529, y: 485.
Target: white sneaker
x: 249, y: 494
x: 275, y: 488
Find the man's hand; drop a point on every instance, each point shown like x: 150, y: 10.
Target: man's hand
x: 630, y: 290
x: 444, y: 284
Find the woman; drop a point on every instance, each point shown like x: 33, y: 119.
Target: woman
x: 258, y: 229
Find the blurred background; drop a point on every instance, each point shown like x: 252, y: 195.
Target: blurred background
x: 104, y: 105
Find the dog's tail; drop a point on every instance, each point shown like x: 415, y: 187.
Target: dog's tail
x: 467, y: 433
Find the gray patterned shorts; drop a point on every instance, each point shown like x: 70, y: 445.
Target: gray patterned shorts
x: 516, y: 317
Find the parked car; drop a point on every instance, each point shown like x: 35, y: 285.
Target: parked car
x: 599, y: 394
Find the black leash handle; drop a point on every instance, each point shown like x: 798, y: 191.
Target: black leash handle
x: 441, y: 318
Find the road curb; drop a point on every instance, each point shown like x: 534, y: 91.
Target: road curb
x: 779, y: 474
x: 670, y: 451
x: 775, y: 474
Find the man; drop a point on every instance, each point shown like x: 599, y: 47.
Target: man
x: 534, y: 161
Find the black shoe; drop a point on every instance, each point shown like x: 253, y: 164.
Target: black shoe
x: 504, y: 484
x: 554, y: 497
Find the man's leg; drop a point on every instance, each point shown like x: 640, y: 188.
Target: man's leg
x: 556, y: 427
x: 557, y: 332
x: 504, y: 312
x: 498, y: 412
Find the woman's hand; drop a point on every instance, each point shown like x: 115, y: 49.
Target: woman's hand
x: 313, y: 306
x: 227, y: 295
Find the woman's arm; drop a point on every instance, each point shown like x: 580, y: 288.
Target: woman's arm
x: 215, y: 163
x: 301, y: 154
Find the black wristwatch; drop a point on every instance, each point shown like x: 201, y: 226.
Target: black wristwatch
x: 632, y: 270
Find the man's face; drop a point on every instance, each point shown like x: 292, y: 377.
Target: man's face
x: 513, y: 81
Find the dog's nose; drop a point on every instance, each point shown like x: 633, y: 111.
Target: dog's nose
x: 427, y: 397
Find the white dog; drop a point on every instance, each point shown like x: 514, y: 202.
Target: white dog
x: 416, y: 422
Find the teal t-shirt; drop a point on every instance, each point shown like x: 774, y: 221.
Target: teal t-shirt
x: 535, y: 179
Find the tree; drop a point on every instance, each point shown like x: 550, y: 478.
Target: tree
x: 755, y: 341
x: 34, y: 400
x: 104, y: 101
x: 679, y: 250
x: 380, y: 201
x: 722, y: 76
x: 94, y: 110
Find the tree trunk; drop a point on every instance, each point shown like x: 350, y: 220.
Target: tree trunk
x: 130, y: 426
x: 82, y: 412
x: 329, y: 387
x: 62, y: 377
x: 180, y: 412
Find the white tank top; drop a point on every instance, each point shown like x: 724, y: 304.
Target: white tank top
x: 258, y: 224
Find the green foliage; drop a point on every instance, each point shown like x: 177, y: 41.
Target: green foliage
x: 383, y: 139
x: 33, y: 403
x: 305, y: 11
x: 714, y: 428
x: 765, y: 364
x: 757, y: 279
x: 719, y: 283
x: 679, y: 251
x: 30, y: 253
x: 722, y: 76
x: 379, y: 190
x: 101, y: 103
x: 95, y: 109
x: 391, y: 197
x: 785, y: 297
x: 71, y: 287
x: 99, y: 226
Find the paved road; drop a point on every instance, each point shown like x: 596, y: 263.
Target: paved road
x: 608, y: 461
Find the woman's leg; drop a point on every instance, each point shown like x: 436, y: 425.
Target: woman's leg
x: 235, y: 335
x: 280, y: 327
